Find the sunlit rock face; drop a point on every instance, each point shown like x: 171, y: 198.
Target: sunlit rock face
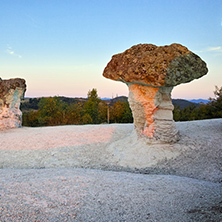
x: 151, y: 72
x: 11, y: 93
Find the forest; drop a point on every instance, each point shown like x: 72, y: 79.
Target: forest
x: 52, y: 111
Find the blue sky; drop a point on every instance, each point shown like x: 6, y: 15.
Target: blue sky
x: 62, y: 46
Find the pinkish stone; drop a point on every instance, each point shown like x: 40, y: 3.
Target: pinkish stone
x: 151, y: 72
x: 11, y: 92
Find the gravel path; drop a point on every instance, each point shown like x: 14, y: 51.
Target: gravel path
x: 76, y: 173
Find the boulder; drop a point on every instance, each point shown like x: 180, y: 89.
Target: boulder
x: 11, y: 93
x: 151, y: 72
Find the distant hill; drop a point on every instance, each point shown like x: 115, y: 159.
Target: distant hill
x: 200, y: 101
x: 29, y: 104
x: 70, y: 100
x: 116, y: 99
x: 105, y: 98
x: 182, y: 103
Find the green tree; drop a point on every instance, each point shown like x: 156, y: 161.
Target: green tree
x: 86, y: 119
x: 120, y: 112
x: 117, y: 112
x: 127, y: 116
x: 91, y: 106
x: 216, y: 103
x: 103, y: 109
x: 74, y: 114
x: 176, y: 113
x: 205, y: 111
x: 51, y: 111
x: 30, y: 119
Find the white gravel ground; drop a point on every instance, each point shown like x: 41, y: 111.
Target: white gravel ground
x: 41, y: 179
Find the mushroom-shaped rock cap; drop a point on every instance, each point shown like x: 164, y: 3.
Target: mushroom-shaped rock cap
x: 147, y: 64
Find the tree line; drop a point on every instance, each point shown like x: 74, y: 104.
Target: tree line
x: 53, y: 111
x: 211, y: 110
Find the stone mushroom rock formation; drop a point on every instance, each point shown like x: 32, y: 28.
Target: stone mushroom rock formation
x: 11, y: 93
x: 151, y: 72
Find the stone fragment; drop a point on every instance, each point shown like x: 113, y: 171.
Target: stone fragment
x: 151, y: 72
x: 11, y: 93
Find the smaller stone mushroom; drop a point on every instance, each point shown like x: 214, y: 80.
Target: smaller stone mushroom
x: 151, y: 72
x: 11, y: 93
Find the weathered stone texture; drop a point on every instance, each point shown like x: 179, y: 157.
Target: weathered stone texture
x: 11, y: 93
x: 147, y: 64
x: 151, y: 72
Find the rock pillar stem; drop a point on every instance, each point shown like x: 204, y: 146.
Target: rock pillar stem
x: 152, y: 112
x: 11, y: 93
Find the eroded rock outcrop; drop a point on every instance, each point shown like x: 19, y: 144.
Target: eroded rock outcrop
x: 11, y: 93
x: 151, y: 72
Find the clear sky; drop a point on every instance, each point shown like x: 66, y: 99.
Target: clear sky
x: 62, y: 46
